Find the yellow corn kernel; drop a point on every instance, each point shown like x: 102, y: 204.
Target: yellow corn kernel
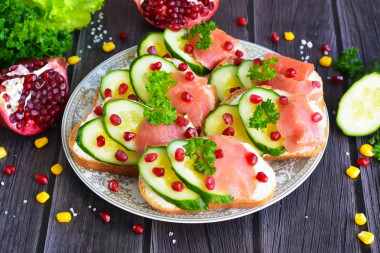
x: 41, y: 142
x: 366, y: 150
x: 3, y: 152
x: 42, y: 197
x: 360, y: 219
x: 56, y: 169
x: 64, y: 217
x: 325, y: 61
x: 108, y: 47
x: 289, y: 36
x: 73, y: 60
x: 353, y: 172
x: 366, y: 237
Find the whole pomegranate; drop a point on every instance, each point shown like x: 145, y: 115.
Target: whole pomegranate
x: 33, y: 95
x: 176, y: 13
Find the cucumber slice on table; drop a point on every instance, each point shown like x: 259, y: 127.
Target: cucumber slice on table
x: 243, y: 71
x: 175, y: 44
x: 186, y: 199
x: 225, y: 78
x: 87, y: 140
x: 131, y: 114
x: 140, y: 70
x: 112, y: 80
x: 193, y: 179
x: 261, y: 137
x: 155, y: 39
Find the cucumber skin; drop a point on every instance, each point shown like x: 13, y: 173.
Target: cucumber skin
x: 101, y: 80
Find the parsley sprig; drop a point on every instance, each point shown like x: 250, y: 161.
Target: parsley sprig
x: 375, y: 140
x: 203, y: 151
x: 264, y: 72
x: 203, y: 32
x: 264, y: 114
x: 348, y: 63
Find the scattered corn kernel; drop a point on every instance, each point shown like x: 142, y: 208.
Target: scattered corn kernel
x: 366, y: 150
x: 3, y: 152
x: 360, y: 219
x: 325, y: 61
x: 56, y: 169
x: 73, y: 60
x: 108, y: 47
x: 42, y: 197
x: 64, y: 217
x: 289, y: 36
x: 353, y: 172
x: 41, y: 142
x: 366, y: 237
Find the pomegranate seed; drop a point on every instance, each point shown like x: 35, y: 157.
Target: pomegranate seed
x: 364, y: 161
x: 291, y: 73
x: 181, y: 121
x: 98, y: 110
x: 6, y: 97
x: 325, y: 49
x: 232, y: 90
x: 229, y: 131
x: 189, y: 48
x: 138, y: 229
x: 179, y: 155
x: 121, y: 156
x: 115, y: 120
x: 152, y: 66
x: 113, y: 185
x: 251, y: 158
x: 177, y: 186
x: 183, y: 66
x: 275, y: 37
x: 123, y: 88
x: 262, y: 177
x: 190, y: 133
x: 129, y: 136
x: 267, y: 82
x: 2, y: 87
x: 159, y: 172
x: 241, y: 21
x: 255, y: 99
x: 316, y: 117
x: 123, y: 36
x: 133, y: 97
x: 210, y: 183
x: 283, y: 100
x: 275, y: 136
x: 9, y: 170
x: 152, y: 50
x: 108, y: 93
x: 228, y: 46
x: 166, y: 56
x: 175, y: 27
x: 257, y: 61
x: 336, y: 80
x: 106, y: 216
x: 151, y: 157
x: 228, y: 118
x: 41, y: 179
x: 158, y: 65
x: 189, y: 76
x: 316, y: 84
x: 239, y: 53
x: 187, y: 97
x: 218, y: 153
x: 238, y: 61
x: 100, y: 141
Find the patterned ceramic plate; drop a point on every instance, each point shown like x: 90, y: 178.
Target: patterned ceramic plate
x: 290, y: 173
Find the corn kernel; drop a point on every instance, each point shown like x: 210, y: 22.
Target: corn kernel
x: 3, y: 152
x: 56, y: 169
x: 41, y: 142
x: 73, y: 60
x: 366, y: 237
x: 325, y: 61
x: 289, y: 36
x: 366, y: 150
x: 108, y: 47
x: 360, y: 219
x: 353, y: 172
x: 64, y: 217
x: 42, y: 197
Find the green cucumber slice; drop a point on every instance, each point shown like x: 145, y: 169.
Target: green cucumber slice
x: 86, y: 140
x: 152, y: 39
x: 225, y: 78
x: 175, y: 44
x: 193, y: 179
x: 112, y: 80
x: 131, y: 114
x: 242, y: 73
x: 186, y: 199
x: 140, y: 70
x: 260, y: 138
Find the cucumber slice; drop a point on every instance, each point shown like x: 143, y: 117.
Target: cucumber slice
x: 131, y: 114
x: 112, y: 80
x: 186, y: 199
x: 242, y: 73
x: 175, y: 44
x: 193, y: 179
x: 225, y: 78
x: 140, y: 70
x: 86, y: 139
x: 152, y: 39
x: 260, y: 138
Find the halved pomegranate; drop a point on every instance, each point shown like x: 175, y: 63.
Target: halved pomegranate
x: 174, y: 13
x: 33, y: 95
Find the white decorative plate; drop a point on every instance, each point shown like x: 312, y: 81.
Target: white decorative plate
x: 290, y: 173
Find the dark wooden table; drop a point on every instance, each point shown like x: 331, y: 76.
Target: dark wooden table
x: 317, y: 217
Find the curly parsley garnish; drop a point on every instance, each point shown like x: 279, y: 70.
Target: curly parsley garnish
x: 348, y: 63
x: 264, y: 114
x: 264, y: 72
x: 203, y: 151
x: 203, y: 33
x: 375, y: 140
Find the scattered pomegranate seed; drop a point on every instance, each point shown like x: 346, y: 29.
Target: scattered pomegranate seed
x: 262, y: 177
x: 325, y: 48
x: 275, y: 136
x: 121, y: 156
x: 238, y: 61
x: 283, y: 100
x: 158, y: 65
x: 9, y: 170
x: 229, y: 131
x: 188, y: 48
x: 187, y: 97
x: 228, y: 118
x: 181, y: 121
x: 106, y: 216
x: 251, y: 158
x: 175, y: 27
x: 166, y: 56
x: 100, y: 141
x: 98, y: 110
x: 210, y: 183
x: 218, y: 153
x: 232, y: 90
x: 138, y: 229
x: 228, y: 46
x: 291, y: 73
x: 177, y: 186
x: 275, y: 37
x: 241, y: 21
x: 182, y: 66
x: 152, y: 50
x: 257, y: 61
x: 316, y: 84
x: 108, y: 93
x: 179, y: 155
x: 115, y: 120
x: 113, y: 185
x: 123, y: 36
x: 255, y: 99
x: 129, y: 136
x: 159, y: 172
x: 316, y: 117
x: 364, y: 161
x: 189, y: 76
x: 151, y: 157
x: 190, y: 133
x: 267, y: 82
x: 41, y: 179
x: 123, y: 88
x: 133, y: 97
x: 336, y: 80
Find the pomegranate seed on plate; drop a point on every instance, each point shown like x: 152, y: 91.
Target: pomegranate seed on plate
x: 187, y: 97
x: 336, y: 80
x: 275, y: 37
x: 283, y: 100
x: 133, y: 97
x: 257, y: 61
x: 151, y: 157
x: 241, y: 21
x: 262, y: 177
x: 228, y: 118
x: 316, y: 117
x: 255, y: 99
x: 113, y: 185
x: 181, y: 121
x: 364, y: 161
x: 316, y: 84
x: 183, y: 66
x: 228, y: 46
x: 239, y: 53
x: 275, y: 136
x: 325, y: 49
x: 108, y: 93
x: 100, y: 141
x: 129, y: 136
x: 152, y: 50
x: 9, y: 170
x: 98, y: 110
x: 177, y: 186
x: 291, y: 73
x: 189, y: 76
x: 189, y: 48
x: 121, y: 156
x: 41, y: 179
x: 218, y: 153
x: 106, y: 216
x: 179, y: 155
x: 115, y: 120
x: 123, y: 36
x: 190, y: 133
x: 229, y: 131
x: 238, y: 61
x: 138, y: 229
x: 123, y: 88
x: 232, y: 90
x: 210, y: 183
x: 251, y: 158
x: 159, y: 172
